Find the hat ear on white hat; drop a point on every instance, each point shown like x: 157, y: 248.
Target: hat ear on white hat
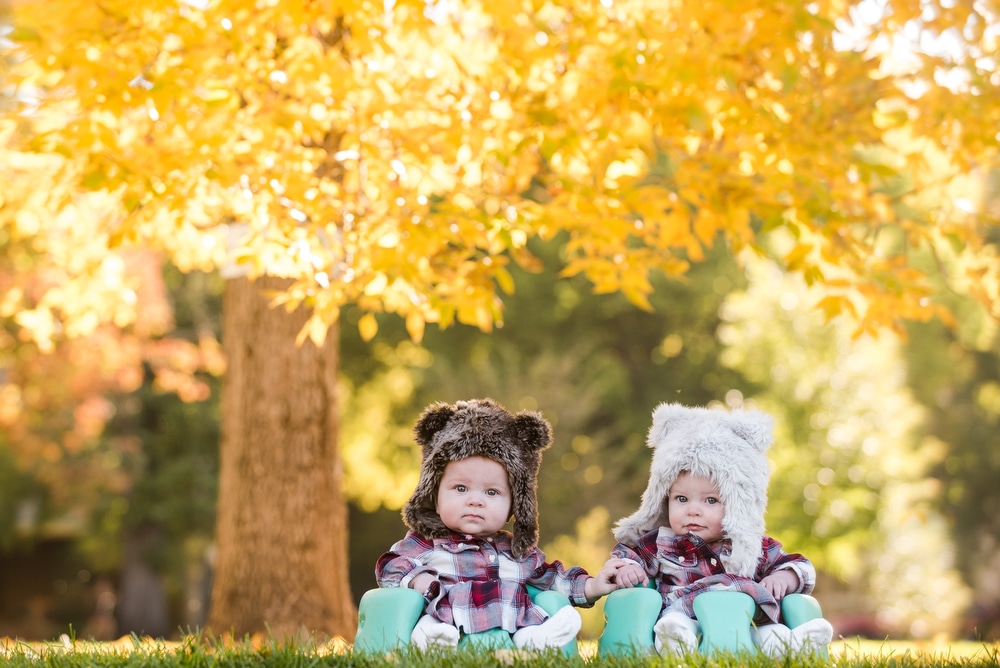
x: 754, y: 427
x: 666, y: 418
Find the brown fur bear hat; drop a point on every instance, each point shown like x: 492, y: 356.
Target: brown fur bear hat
x: 484, y: 428
x: 728, y: 447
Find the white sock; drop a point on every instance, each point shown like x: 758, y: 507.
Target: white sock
x: 775, y: 640
x: 675, y: 632
x: 555, y: 631
x: 430, y: 631
x: 812, y: 635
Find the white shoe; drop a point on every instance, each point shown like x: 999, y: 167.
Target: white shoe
x: 812, y: 635
x: 775, y: 640
x: 430, y: 631
x: 676, y: 633
x: 556, y: 631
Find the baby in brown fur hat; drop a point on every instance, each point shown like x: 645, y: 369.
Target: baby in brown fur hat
x: 479, y: 468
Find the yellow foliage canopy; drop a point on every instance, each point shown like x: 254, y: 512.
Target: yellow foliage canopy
x: 400, y: 155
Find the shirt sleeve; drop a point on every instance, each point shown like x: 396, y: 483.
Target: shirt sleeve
x: 776, y: 559
x: 404, y: 561
x: 554, y: 576
x: 644, y: 553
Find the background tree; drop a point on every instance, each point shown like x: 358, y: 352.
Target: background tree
x: 370, y: 157
x: 957, y: 383
x: 162, y: 438
x: 850, y: 484
x: 108, y: 437
x: 594, y: 365
x: 955, y: 374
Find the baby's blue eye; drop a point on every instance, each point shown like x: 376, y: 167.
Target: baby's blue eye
x: 682, y: 499
x: 712, y: 500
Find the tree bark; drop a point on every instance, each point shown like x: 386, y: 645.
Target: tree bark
x: 281, y: 530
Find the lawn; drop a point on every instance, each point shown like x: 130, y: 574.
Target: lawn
x: 139, y: 653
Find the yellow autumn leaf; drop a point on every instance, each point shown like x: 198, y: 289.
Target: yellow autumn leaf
x: 795, y: 258
x: 368, y: 326
x: 314, y: 330
x: 504, y: 280
x: 415, y: 326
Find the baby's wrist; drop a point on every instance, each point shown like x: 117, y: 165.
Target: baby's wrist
x: 432, y: 590
x: 422, y: 581
x: 594, y: 588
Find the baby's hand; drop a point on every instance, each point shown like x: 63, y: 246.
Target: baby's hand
x: 606, y: 581
x: 780, y: 583
x: 628, y: 573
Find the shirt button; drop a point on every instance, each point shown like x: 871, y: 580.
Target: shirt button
x: 680, y: 559
x: 713, y: 562
x: 493, y: 557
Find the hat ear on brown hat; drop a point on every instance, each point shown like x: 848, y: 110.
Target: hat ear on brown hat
x: 532, y: 430
x: 434, y: 418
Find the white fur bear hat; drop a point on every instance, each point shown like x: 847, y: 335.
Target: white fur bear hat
x: 727, y: 447
x: 480, y: 427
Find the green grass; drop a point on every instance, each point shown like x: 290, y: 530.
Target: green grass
x: 189, y: 653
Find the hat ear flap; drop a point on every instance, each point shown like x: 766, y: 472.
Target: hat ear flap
x: 434, y: 418
x: 529, y: 433
x: 531, y: 430
x: 754, y: 427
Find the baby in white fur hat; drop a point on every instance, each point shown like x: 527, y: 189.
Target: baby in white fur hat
x: 700, y: 527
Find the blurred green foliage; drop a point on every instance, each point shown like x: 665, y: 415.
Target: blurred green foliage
x: 865, y: 428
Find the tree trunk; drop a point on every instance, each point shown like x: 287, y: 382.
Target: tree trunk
x: 281, y: 531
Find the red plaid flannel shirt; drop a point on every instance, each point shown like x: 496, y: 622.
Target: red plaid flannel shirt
x: 684, y: 566
x: 482, y: 585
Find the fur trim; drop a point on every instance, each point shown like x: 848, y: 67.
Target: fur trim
x: 729, y: 448
x: 479, y: 427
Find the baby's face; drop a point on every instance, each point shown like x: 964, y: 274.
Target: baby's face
x: 474, y: 496
x: 694, y: 507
